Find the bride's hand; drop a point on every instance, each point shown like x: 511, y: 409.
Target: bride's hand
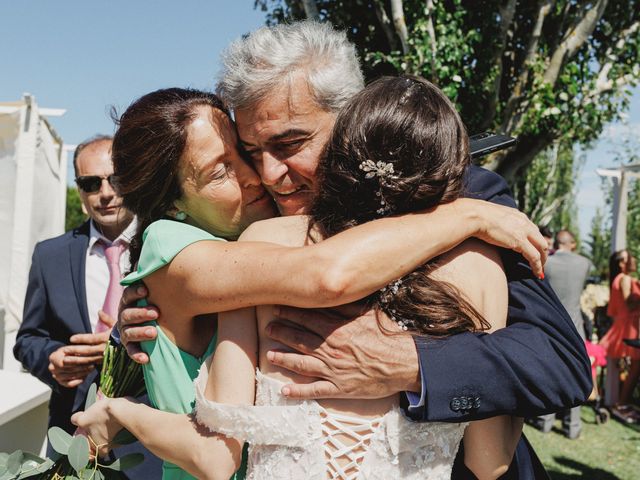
x: 99, y: 425
x: 509, y: 228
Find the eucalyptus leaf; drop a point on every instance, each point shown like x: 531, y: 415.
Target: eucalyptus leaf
x: 124, y: 437
x: 37, y: 470
x: 59, y: 440
x: 98, y: 475
x: 79, y: 452
x: 3, y: 459
x: 7, y: 475
x: 126, y: 462
x: 91, y: 396
x: 14, y: 462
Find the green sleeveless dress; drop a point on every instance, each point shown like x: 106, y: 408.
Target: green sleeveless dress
x: 170, y: 373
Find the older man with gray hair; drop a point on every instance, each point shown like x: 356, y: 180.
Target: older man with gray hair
x: 285, y: 85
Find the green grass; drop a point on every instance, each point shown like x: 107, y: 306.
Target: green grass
x: 602, y: 452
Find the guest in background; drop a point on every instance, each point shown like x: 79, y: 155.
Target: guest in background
x: 548, y: 236
x: 73, y: 292
x: 624, y: 309
x: 567, y: 273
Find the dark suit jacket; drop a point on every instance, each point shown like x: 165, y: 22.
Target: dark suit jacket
x: 55, y: 309
x: 537, y: 365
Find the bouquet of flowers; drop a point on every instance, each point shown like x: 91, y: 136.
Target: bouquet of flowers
x: 119, y: 377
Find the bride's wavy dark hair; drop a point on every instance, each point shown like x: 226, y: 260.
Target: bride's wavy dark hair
x: 412, y: 128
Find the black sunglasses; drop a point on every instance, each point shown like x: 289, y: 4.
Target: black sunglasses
x: 92, y: 183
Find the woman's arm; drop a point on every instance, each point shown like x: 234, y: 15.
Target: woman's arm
x: 339, y: 270
x: 178, y: 438
x: 627, y: 288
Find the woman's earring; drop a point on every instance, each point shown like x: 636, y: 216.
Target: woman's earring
x: 180, y: 216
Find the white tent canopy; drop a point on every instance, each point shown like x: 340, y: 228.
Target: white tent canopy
x: 33, y: 171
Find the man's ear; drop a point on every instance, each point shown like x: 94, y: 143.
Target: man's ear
x: 84, y: 209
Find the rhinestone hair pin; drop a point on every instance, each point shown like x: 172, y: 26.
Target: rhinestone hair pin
x: 386, y: 295
x: 383, y: 172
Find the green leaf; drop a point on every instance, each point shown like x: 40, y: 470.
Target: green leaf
x: 32, y: 465
x: 126, y: 462
x: 124, y: 437
x: 98, y: 475
x: 14, y: 462
x: 79, y: 452
x: 3, y: 459
x: 91, y: 396
x: 59, y: 440
x: 36, y: 470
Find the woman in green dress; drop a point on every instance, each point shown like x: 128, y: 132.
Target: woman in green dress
x: 180, y: 172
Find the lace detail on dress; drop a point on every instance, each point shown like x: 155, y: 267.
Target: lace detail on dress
x: 267, y: 425
x: 292, y: 439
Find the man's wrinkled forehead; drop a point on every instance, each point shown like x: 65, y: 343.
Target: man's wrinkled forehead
x: 286, y: 107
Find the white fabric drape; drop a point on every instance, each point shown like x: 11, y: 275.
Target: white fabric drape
x: 32, y: 197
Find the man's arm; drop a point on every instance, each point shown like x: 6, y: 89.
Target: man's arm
x: 34, y: 344
x: 537, y: 364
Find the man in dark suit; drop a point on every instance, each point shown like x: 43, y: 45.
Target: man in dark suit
x: 67, y: 318
x: 285, y: 85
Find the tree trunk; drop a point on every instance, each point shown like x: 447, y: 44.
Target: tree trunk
x: 310, y: 9
x: 511, y: 163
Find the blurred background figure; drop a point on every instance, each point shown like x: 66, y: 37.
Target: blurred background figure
x: 624, y: 309
x: 567, y: 273
x: 548, y: 236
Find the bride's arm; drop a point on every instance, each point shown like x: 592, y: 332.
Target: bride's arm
x: 174, y: 437
x: 218, y: 276
x: 179, y: 438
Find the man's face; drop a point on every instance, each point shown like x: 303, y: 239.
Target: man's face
x: 103, y: 205
x: 285, y: 135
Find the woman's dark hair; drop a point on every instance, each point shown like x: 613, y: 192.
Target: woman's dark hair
x: 398, y: 146
x: 147, y: 146
x: 614, y: 265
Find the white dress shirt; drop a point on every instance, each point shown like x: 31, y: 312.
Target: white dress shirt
x: 97, y: 271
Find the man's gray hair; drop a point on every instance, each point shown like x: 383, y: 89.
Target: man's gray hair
x: 254, y: 65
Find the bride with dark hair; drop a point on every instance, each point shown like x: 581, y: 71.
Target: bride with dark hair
x: 398, y: 148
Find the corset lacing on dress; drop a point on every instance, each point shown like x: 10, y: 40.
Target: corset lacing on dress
x: 295, y: 439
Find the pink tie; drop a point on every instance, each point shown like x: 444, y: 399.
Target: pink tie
x: 114, y: 291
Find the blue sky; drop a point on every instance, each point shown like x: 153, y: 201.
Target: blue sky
x: 86, y: 56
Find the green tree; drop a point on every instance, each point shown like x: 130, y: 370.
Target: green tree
x: 633, y: 219
x: 599, y: 243
x: 626, y: 153
x: 541, y: 70
x: 546, y: 193
x: 74, y: 215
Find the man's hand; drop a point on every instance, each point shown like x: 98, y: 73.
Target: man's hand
x: 70, y: 365
x: 69, y: 376
x: 129, y: 319
x: 353, y: 357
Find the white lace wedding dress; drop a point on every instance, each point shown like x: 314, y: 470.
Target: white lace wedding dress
x: 295, y: 440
